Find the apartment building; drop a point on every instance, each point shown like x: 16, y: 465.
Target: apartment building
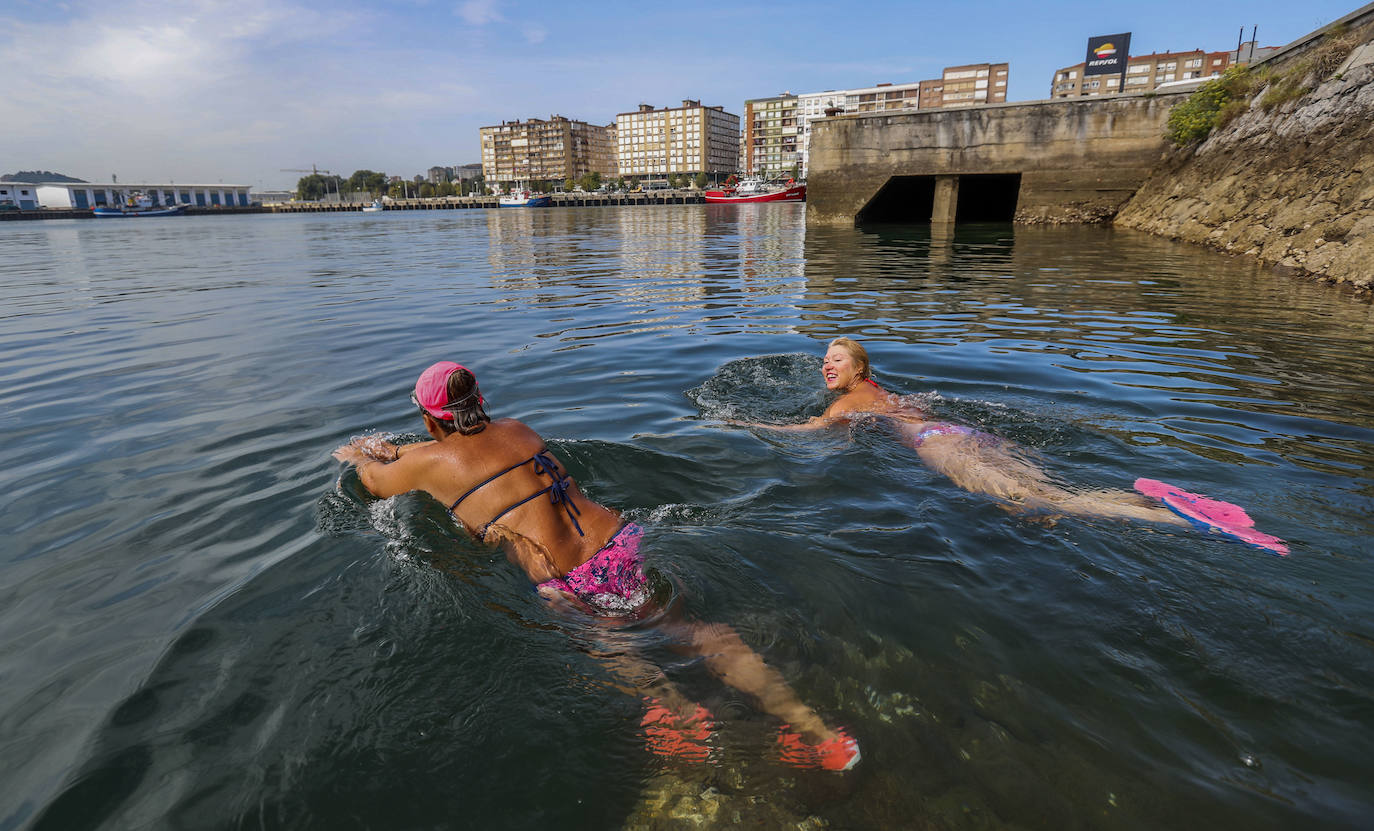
x: 551, y: 150
x: 958, y: 86
x: 1147, y: 72
x: 966, y: 86
x: 771, y: 145
x: 689, y: 139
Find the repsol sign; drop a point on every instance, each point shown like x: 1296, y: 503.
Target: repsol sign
x: 1107, y: 54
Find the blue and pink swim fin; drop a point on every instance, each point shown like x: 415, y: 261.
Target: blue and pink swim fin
x: 1211, y: 515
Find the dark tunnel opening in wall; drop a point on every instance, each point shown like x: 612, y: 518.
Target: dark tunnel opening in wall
x: 910, y: 200
x: 906, y: 200
x: 988, y: 197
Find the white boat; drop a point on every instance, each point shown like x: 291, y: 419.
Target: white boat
x: 375, y: 207
x: 137, y: 204
x: 525, y: 199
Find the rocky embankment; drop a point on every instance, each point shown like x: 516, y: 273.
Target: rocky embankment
x: 1291, y: 184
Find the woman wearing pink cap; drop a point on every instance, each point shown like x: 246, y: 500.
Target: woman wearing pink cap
x: 503, y: 486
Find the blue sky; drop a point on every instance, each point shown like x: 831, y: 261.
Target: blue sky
x: 211, y: 91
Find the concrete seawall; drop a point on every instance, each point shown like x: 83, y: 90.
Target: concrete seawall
x: 1074, y: 160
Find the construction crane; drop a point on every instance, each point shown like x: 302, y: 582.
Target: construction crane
x: 314, y: 171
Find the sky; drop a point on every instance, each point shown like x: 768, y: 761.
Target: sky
x: 205, y: 91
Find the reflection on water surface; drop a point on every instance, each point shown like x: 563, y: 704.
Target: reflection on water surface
x: 199, y: 630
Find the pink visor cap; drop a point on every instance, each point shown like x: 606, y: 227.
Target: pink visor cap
x: 431, y: 391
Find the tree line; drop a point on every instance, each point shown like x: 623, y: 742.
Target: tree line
x: 317, y: 186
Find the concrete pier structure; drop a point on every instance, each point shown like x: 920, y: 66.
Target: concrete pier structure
x: 1074, y: 161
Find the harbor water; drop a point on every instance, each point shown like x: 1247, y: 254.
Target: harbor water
x: 204, y: 622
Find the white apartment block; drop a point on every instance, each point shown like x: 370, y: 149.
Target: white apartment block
x: 689, y: 139
x: 958, y: 86
x: 812, y: 105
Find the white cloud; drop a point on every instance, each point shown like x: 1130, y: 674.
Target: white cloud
x: 535, y: 34
x: 208, y: 90
x: 479, y: 12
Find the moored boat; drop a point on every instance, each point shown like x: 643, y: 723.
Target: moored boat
x: 138, y: 204
x: 753, y: 189
x: 525, y: 199
x: 373, y: 208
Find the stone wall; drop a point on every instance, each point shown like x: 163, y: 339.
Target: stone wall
x: 1079, y: 159
x: 1292, y: 186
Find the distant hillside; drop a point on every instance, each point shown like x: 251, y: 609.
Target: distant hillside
x: 38, y: 176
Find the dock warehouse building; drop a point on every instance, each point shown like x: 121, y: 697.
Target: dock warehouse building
x: 82, y: 195
x: 20, y: 194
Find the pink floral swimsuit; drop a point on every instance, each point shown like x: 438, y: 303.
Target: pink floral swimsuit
x: 613, y: 579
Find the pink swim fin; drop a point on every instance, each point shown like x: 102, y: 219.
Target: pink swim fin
x: 1211, y: 514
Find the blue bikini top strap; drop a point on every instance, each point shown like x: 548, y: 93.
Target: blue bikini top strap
x: 544, y: 465
x: 490, y: 479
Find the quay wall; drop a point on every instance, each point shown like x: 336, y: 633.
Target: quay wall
x: 447, y: 203
x: 85, y: 213
x: 438, y: 203
x: 1079, y: 160
x: 1293, y: 185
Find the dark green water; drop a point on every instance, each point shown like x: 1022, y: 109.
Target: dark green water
x: 197, y: 630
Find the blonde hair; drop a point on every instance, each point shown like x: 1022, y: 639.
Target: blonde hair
x: 857, y: 352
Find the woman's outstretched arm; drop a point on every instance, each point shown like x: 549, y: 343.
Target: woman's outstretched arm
x: 816, y: 423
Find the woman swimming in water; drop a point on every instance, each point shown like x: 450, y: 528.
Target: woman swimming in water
x: 982, y: 463
x: 502, y: 485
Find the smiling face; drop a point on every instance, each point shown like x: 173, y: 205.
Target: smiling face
x: 840, y: 370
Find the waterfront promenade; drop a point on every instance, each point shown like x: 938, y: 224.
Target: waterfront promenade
x: 437, y: 203
x: 444, y: 203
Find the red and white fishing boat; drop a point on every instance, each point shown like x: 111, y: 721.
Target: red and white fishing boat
x: 752, y: 189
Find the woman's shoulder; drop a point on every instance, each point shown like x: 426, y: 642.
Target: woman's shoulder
x: 866, y: 399
x: 508, y: 428
x: 511, y: 436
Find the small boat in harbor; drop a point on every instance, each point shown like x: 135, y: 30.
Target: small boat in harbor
x: 373, y: 208
x: 754, y: 189
x: 525, y: 199
x: 138, y: 204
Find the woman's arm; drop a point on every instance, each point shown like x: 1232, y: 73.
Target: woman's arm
x: 379, y: 464
x: 817, y: 423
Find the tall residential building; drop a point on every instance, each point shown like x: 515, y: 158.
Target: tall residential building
x: 772, y: 136
x: 966, y: 86
x: 552, y: 150
x: 689, y: 139
x: 1148, y: 72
